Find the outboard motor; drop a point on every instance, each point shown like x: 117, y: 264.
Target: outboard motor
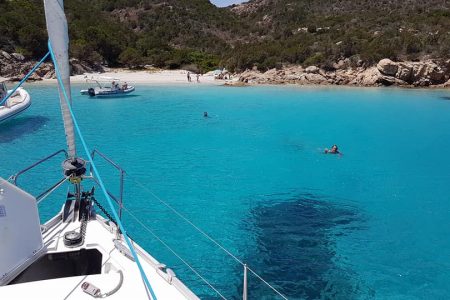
x: 91, y: 92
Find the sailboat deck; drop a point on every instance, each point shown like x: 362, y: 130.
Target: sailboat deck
x: 100, y: 235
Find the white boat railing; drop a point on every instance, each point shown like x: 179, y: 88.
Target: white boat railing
x: 117, y: 199
x: 13, y: 178
x: 122, y: 207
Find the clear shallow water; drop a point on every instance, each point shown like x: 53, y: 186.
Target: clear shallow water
x: 371, y: 224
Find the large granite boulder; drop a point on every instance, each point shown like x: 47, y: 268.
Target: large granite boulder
x: 44, y: 69
x: 387, y: 67
x: 423, y: 73
x: 312, y: 70
x: 369, y: 77
x: 250, y: 76
x: 18, y: 56
x: 404, y: 72
x: 339, y: 65
x: 6, y: 55
x: 427, y: 73
x: 316, y: 79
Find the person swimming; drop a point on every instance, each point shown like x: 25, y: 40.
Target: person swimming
x: 205, y: 114
x: 333, y: 150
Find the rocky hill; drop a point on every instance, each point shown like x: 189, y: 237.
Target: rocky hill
x: 366, y: 31
x: 259, y: 34
x: 165, y: 33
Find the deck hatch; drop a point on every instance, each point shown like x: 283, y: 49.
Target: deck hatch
x: 62, y: 264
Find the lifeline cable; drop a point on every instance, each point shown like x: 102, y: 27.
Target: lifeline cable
x: 145, y: 188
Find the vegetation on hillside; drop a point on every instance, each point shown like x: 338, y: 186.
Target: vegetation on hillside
x: 324, y: 31
x: 262, y: 33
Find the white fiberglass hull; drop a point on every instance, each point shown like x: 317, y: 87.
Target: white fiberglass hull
x: 108, y: 92
x: 16, y: 104
x: 41, y: 264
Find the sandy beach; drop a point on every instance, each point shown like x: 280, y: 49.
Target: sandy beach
x: 147, y: 77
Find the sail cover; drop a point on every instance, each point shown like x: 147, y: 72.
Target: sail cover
x: 59, y: 40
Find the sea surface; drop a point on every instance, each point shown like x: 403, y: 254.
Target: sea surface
x: 372, y: 223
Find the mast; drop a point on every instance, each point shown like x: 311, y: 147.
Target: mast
x: 59, y: 41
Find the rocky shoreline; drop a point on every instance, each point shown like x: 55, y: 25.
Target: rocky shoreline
x: 14, y: 66
x: 428, y: 73
x: 386, y: 73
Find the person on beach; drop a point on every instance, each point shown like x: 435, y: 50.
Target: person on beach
x: 3, y: 93
x: 333, y: 150
x: 198, y: 77
x: 189, y: 76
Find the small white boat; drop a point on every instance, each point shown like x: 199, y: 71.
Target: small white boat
x: 19, y: 101
x: 101, y: 90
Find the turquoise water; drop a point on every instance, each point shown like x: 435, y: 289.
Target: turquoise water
x: 370, y: 224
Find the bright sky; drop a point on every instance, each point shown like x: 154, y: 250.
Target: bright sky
x: 222, y: 3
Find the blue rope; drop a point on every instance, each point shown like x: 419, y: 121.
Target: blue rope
x: 97, y: 174
x: 25, y: 78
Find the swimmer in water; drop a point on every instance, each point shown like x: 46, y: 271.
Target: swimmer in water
x: 205, y: 114
x: 333, y: 150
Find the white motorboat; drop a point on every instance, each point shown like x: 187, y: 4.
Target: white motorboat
x: 18, y: 101
x: 103, y: 89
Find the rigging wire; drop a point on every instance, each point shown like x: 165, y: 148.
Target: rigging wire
x: 25, y: 78
x: 100, y: 181
x: 173, y: 251
x: 206, y: 235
